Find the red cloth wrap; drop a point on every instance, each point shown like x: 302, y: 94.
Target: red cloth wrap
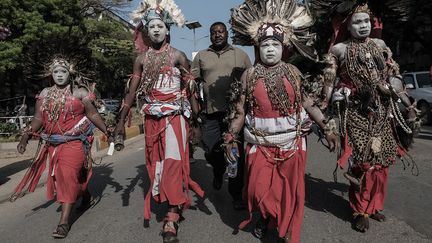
x: 66, y: 159
x: 370, y: 197
x: 276, y: 189
x: 176, y: 181
x: 67, y: 162
x: 346, y: 153
x: 141, y: 43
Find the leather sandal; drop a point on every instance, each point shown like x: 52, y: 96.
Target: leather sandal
x: 378, y: 217
x: 170, y: 228
x: 260, y: 229
x: 61, y: 231
x: 361, y: 222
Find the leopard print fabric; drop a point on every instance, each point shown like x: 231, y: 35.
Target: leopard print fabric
x: 362, y: 132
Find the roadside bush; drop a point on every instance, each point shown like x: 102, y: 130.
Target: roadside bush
x: 8, y: 128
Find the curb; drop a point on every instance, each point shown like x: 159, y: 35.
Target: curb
x: 132, y: 132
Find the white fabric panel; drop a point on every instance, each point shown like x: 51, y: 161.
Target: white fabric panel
x: 282, y: 140
x: 183, y: 131
x: 277, y: 124
x: 169, y: 83
x: 157, y: 178
x: 171, y: 147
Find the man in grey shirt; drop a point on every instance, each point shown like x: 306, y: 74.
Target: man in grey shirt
x: 216, y: 68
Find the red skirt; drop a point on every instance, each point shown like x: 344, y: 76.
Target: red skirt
x: 167, y: 161
x: 276, y: 188
x: 67, y: 179
x: 370, y: 197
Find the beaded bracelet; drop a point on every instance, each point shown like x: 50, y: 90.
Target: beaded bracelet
x: 229, y: 137
x: 27, y: 131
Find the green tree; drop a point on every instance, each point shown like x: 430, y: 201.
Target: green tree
x: 42, y: 28
x: 112, y: 54
x: 39, y: 28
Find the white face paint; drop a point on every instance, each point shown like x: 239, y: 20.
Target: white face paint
x: 360, y: 25
x: 270, y: 51
x: 157, y: 30
x: 60, y: 76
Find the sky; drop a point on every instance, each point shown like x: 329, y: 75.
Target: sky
x: 204, y: 11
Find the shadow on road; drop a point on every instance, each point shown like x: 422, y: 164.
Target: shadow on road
x: 221, y: 199
x: 140, y: 177
x: 327, y: 196
x: 142, y: 180
x: 101, y: 179
x: 11, y: 169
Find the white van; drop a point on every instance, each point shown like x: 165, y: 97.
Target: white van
x: 419, y: 86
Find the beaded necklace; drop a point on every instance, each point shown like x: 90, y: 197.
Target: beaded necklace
x: 365, y: 63
x: 274, y: 86
x: 154, y: 61
x: 54, y: 102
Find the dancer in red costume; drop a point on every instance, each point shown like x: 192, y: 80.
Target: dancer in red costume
x: 66, y: 114
x: 162, y: 82
x: 366, y: 96
x: 275, y: 112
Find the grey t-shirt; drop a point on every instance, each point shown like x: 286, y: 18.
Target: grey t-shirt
x: 218, y: 70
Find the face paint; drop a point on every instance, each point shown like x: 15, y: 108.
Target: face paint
x: 270, y: 51
x: 360, y: 25
x: 157, y: 30
x: 60, y: 76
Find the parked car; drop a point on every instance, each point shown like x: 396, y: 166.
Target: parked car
x: 108, y: 105
x: 419, y: 87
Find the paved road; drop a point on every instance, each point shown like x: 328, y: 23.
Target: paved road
x: 120, y: 181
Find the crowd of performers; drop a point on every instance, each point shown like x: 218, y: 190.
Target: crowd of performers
x: 263, y: 126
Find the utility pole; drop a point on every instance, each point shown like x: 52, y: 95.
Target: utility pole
x: 192, y: 26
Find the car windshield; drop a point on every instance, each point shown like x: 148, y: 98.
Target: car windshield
x: 424, y: 80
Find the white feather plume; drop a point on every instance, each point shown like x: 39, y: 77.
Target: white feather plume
x: 165, y: 5
x: 294, y: 18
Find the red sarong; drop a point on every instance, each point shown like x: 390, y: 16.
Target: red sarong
x: 66, y: 160
x: 276, y: 188
x: 64, y: 174
x: 370, y: 197
x: 167, y: 161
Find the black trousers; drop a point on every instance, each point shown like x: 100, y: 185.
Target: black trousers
x: 212, y: 129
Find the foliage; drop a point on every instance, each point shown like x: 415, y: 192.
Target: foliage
x: 9, y: 128
x: 112, y: 52
x: 43, y: 28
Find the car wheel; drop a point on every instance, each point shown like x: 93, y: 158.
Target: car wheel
x: 425, y: 112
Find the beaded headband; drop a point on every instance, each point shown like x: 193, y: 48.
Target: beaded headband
x: 62, y: 63
x: 267, y: 31
x: 362, y: 8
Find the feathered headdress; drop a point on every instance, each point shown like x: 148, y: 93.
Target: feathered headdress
x: 390, y: 9
x: 62, y: 62
x: 165, y: 10
x: 336, y: 13
x: 77, y: 78
x: 252, y: 19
